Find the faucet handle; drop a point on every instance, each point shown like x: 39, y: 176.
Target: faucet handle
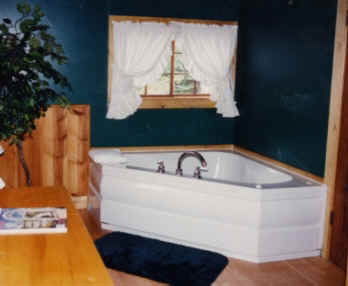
x: 161, y: 168
x: 179, y: 172
x: 204, y: 169
x: 197, y: 173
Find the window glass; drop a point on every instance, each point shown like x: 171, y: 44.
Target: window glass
x: 183, y: 81
x: 161, y: 86
x: 177, y: 76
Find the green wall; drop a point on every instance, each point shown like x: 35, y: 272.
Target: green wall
x: 283, y: 75
x: 285, y: 100
x: 81, y: 26
x: 170, y: 127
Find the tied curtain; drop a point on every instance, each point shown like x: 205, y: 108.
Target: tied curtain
x: 208, y: 52
x: 142, y: 50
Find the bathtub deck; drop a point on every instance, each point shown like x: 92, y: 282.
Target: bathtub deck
x: 300, y: 272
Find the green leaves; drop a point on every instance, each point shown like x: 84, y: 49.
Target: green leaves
x: 24, y: 8
x: 29, y: 81
x: 3, y: 28
x: 27, y: 25
x: 31, y: 103
x: 34, y: 43
x: 37, y: 14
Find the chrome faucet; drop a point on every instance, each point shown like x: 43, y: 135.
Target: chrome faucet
x: 190, y: 154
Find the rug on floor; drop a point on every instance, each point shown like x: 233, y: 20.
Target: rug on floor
x: 161, y: 261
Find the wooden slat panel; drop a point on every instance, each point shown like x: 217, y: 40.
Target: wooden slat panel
x: 9, y: 165
x: 52, y: 134
x: 76, y: 145
x: 56, y: 153
x: 34, y: 152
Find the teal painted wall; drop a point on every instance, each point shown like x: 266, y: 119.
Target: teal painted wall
x: 286, y: 73
x: 283, y: 75
x: 172, y: 127
x: 81, y: 26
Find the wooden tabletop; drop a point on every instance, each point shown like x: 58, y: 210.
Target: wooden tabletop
x: 68, y: 259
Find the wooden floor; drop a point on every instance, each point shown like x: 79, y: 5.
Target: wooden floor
x: 298, y: 272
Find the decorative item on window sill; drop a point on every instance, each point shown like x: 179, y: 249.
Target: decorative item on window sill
x: 2, y: 183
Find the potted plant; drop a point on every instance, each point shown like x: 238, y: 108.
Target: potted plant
x: 29, y: 79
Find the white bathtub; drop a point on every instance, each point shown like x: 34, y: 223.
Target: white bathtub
x: 242, y: 208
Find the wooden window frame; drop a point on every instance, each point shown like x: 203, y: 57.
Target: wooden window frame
x: 166, y: 101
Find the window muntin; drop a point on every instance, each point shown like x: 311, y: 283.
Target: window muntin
x: 175, y: 80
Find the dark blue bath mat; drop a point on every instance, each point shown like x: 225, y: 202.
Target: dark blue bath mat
x: 161, y: 261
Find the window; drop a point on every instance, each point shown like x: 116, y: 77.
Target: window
x: 176, y: 87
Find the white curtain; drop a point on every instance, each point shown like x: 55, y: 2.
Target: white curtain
x: 141, y: 52
x: 208, y: 51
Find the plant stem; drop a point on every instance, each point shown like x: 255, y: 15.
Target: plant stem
x: 23, y: 163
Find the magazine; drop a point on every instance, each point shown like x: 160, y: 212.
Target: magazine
x: 33, y: 220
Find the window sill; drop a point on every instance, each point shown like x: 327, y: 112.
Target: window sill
x: 172, y: 102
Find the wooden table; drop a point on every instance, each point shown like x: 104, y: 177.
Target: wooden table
x: 68, y: 259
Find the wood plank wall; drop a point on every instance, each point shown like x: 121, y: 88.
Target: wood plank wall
x: 56, y: 153
x: 335, y: 115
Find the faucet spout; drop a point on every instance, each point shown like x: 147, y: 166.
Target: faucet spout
x: 184, y: 155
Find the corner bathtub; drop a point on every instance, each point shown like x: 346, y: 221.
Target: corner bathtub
x: 242, y: 208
